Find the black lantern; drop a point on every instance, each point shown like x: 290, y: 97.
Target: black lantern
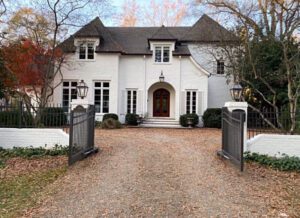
x: 161, y: 77
x: 236, y: 92
x: 82, y: 89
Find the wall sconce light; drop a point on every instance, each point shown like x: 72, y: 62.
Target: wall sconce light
x: 161, y: 77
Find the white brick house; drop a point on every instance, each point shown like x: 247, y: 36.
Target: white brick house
x: 122, y: 66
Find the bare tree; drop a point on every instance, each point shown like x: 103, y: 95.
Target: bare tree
x: 129, y: 14
x: 259, y: 21
x: 167, y: 12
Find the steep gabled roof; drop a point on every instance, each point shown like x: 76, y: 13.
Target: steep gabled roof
x: 134, y: 40
x: 94, y: 29
x: 208, y: 30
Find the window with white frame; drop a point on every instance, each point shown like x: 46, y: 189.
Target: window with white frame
x: 69, y: 93
x: 101, y: 96
x: 191, y: 102
x: 131, y: 101
x: 162, y: 54
x: 86, y: 51
x: 220, y: 67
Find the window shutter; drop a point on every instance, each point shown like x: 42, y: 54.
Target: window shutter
x: 183, y: 102
x: 123, y: 102
x: 140, y: 102
x: 200, y: 103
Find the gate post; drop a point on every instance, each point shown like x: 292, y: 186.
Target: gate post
x: 79, y: 102
x: 233, y: 105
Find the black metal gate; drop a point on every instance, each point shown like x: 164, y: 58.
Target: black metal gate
x: 233, y: 136
x: 82, y: 126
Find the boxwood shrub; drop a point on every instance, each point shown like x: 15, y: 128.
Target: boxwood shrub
x: 111, y: 123
x: 53, y: 117
x: 131, y: 119
x: 184, y: 119
x: 108, y: 116
x: 212, y: 118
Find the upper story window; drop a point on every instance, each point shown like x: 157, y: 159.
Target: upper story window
x: 87, y: 51
x: 220, y: 67
x: 162, y: 54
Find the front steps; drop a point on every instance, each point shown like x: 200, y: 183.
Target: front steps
x: 160, y: 123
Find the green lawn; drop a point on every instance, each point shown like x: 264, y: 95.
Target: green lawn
x: 22, y: 192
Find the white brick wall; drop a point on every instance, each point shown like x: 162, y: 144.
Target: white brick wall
x: 275, y: 145
x: 11, y: 137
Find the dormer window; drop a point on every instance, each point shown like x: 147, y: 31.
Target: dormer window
x: 162, y: 54
x: 87, y: 51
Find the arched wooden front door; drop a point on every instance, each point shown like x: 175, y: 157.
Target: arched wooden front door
x: 161, y: 103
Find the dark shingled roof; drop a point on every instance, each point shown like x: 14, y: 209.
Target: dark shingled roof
x: 163, y: 34
x: 208, y: 30
x: 134, y: 40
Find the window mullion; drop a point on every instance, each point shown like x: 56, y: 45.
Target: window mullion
x: 162, y: 54
x: 86, y: 51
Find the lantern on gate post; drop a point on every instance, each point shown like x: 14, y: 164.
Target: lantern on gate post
x: 236, y: 92
x: 82, y: 89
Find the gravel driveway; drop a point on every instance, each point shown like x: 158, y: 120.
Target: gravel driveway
x: 167, y: 173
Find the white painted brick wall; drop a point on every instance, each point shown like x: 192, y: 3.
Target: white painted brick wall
x: 275, y: 145
x: 11, y: 137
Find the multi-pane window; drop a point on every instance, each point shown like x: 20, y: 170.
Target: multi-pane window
x: 101, y: 97
x: 220, y: 67
x: 131, y: 101
x: 69, y: 93
x: 191, y: 102
x: 86, y: 51
x: 162, y: 54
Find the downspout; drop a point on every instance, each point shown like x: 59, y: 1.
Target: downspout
x: 145, y: 103
x: 179, y: 91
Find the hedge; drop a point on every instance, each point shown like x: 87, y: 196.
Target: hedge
x: 53, y: 117
x: 184, y: 119
x: 12, y: 119
x: 212, y: 118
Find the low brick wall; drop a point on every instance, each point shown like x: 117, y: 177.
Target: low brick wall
x: 12, y: 137
x: 275, y: 145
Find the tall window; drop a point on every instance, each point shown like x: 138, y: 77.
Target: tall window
x: 86, y: 51
x: 191, y: 102
x: 69, y: 93
x: 101, y: 97
x: 162, y: 54
x: 220, y: 67
x: 131, y: 101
